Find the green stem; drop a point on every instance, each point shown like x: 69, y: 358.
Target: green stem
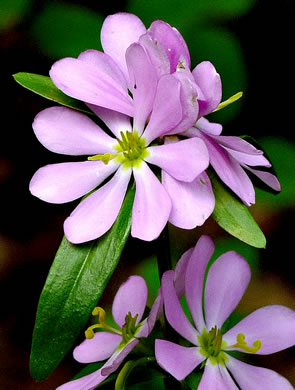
x: 163, y: 252
x: 164, y: 264
x: 127, y: 368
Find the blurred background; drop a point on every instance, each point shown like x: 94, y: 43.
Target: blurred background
x: 250, y: 42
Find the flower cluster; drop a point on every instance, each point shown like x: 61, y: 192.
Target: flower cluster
x: 267, y: 330
x: 141, y: 87
x: 148, y: 128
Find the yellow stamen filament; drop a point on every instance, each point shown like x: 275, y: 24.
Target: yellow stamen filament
x: 242, y: 344
x: 105, y: 158
x: 229, y: 101
x: 98, y: 311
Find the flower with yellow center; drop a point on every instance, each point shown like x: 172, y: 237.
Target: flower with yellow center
x: 267, y: 330
x: 115, y: 343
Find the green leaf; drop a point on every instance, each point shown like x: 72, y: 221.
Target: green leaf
x: 65, y: 30
x: 43, y: 86
x: 234, y: 217
x: 76, y: 281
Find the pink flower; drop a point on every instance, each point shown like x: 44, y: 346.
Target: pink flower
x: 161, y: 103
x: 267, y: 330
x: 112, y: 343
x: 231, y: 156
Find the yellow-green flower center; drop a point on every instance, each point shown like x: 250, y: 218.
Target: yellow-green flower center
x: 129, y: 151
x: 128, y: 329
x: 213, y: 347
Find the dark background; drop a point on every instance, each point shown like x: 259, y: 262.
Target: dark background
x: 251, y: 47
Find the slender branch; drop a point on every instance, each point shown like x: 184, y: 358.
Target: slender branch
x: 163, y: 252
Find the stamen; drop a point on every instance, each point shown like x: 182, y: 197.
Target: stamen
x: 98, y: 311
x: 105, y: 158
x: 242, y: 344
x: 229, y: 101
x: 131, y: 148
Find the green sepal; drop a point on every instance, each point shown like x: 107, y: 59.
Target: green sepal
x: 43, y: 86
x: 234, y: 217
x: 76, y: 281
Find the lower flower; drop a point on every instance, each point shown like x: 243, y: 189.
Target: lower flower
x: 112, y: 343
x: 267, y: 330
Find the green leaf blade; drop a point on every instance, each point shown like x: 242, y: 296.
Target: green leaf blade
x: 234, y: 217
x: 43, y: 86
x: 75, y: 282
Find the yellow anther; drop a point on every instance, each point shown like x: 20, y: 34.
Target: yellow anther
x: 98, y: 311
x: 242, y: 344
x: 105, y: 158
x: 89, y: 334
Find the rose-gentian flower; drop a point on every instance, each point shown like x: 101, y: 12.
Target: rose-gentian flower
x: 161, y: 102
x: 229, y: 155
x: 112, y: 343
x: 267, y: 330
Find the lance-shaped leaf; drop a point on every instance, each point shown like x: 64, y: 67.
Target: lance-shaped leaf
x: 43, y: 86
x: 75, y: 282
x: 234, y: 217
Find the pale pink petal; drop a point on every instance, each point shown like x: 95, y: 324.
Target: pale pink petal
x: 189, y: 101
x: 116, y: 359
x: 88, y: 382
x: 227, y: 280
x: 209, y: 127
x: 156, y: 53
x: 118, y: 32
x: 237, y: 144
x: 100, y: 347
x: 131, y: 297
x: 179, y: 361
x: 84, y: 81
x: 230, y: 171
x: 64, y: 182
x: 115, y: 121
x: 96, y: 214
x: 210, y: 89
x: 267, y: 177
x: 194, y: 279
x: 174, y: 312
x: 251, y: 377
x: 192, y: 203
x: 148, y: 324
x: 151, y: 206
x: 249, y: 159
x: 65, y: 131
x: 167, y: 109
x: 180, y: 269
x: 143, y: 84
x: 184, y: 160
x: 216, y: 377
x: 106, y: 64
x: 172, y: 41
x: 273, y: 325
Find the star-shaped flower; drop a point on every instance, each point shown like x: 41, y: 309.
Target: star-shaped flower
x: 112, y: 343
x: 267, y: 330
